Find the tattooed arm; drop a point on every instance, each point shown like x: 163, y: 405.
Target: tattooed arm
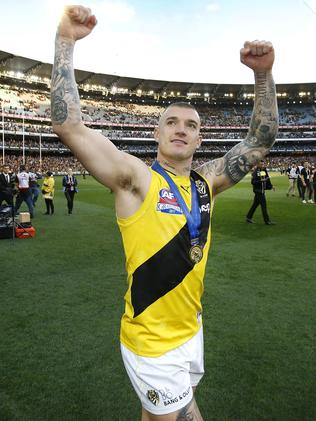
x: 232, y: 167
x: 117, y: 170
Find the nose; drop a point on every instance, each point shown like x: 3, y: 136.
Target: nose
x: 181, y: 129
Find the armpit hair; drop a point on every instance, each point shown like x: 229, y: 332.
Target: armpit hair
x: 124, y: 182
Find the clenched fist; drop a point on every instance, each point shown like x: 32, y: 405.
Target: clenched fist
x: 77, y: 22
x: 258, y: 55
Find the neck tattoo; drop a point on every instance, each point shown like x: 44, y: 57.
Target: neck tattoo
x: 167, y: 166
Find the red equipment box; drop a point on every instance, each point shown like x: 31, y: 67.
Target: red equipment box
x: 25, y: 232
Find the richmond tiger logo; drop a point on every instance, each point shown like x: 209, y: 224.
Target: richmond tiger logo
x: 201, y: 186
x: 153, y: 396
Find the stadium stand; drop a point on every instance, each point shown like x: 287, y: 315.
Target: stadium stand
x: 126, y: 110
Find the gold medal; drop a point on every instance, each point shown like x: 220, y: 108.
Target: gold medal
x: 196, y: 253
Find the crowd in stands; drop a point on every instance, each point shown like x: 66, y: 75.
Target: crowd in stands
x: 106, y: 112
x: 130, y: 127
x: 59, y: 165
x: 36, y: 104
x: 219, y: 147
x: 33, y: 144
x: 18, y: 127
x: 12, y: 127
x: 56, y: 164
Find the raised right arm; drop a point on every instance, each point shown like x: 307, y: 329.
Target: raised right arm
x: 98, y: 154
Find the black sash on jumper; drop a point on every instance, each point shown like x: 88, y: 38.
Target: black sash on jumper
x: 169, y: 266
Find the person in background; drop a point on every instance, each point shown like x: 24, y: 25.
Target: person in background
x: 314, y: 181
x: 304, y: 176
x: 34, y: 186
x: 292, y: 176
x: 70, y: 189
x: 299, y: 180
x: 310, y: 186
x: 261, y: 182
x: 7, y: 184
x: 24, y: 191
x: 48, y: 190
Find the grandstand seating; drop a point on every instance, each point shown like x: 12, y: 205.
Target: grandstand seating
x: 27, y: 120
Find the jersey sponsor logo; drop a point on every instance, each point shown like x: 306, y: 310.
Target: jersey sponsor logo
x: 178, y: 398
x: 205, y: 208
x: 167, y: 203
x: 170, y: 401
x: 153, y: 396
x: 185, y: 393
x: 167, y: 397
x: 166, y: 394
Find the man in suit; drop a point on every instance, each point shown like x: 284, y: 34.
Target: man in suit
x: 70, y: 189
x: 261, y: 182
x: 7, y: 180
x: 305, y: 174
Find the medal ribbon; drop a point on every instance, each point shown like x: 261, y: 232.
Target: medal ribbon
x: 194, y: 217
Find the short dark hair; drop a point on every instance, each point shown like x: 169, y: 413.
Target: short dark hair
x: 22, y: 167
x: 181, y: 104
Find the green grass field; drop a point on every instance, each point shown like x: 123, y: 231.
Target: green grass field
x: 61, y: 299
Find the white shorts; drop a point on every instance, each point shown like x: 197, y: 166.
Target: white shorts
x: 164, y: 384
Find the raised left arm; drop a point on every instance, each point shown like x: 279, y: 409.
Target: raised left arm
x: 224, y: 172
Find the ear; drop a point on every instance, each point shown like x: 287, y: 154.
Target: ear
x: 199, y: 141
x: 156, y: 134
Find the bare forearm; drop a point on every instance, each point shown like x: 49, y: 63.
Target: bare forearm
x: 65, y: 102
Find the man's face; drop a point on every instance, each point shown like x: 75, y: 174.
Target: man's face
x: 306, y: 164
x: 178, y: 133
x: 6, y: 169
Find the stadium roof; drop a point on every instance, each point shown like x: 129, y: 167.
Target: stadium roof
x: 12, y: 64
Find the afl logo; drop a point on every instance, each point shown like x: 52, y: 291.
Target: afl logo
x: 166, y: 196
x: 167, y: 203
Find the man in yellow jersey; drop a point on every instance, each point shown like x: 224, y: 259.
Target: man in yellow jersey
x: 164, y: 216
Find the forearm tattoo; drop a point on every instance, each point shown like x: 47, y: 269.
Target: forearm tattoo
x: 261, y: 135
x: 65, y: 102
